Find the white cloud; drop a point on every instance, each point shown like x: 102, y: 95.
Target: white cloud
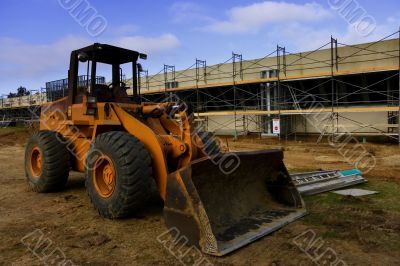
x: 32, y: 65
x: 353, y: 36
x: 299, y: 37
x: 253, y: 17
x: 30, y: 60
x: 187, y: 12
x: 149, y: 45
x: 122, y: 29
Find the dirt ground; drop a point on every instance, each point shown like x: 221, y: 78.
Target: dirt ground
x: 358, y: 231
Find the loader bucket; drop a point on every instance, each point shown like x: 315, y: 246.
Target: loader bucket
x: 219, y: 212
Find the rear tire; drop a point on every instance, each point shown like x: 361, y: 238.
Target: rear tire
x: 46, y: 161
x: 118, y: 174
x: 211, y: 147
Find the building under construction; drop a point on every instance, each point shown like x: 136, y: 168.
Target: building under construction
x: 337, y: 88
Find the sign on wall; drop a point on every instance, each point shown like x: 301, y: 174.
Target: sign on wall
x: 276, y: 126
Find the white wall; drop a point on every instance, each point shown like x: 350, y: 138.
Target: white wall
x: 311, y: 123
x: 317, y: 123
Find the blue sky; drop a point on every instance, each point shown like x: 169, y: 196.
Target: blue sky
x: 36, y: 36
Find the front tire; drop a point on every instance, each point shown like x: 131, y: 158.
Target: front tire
x: 118, y: 174
x: 47, y: 161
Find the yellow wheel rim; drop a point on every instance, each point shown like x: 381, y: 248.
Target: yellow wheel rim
x: 104, y: 176
x: 36, y: 162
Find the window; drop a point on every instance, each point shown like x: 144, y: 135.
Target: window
x: 271, y: 73
x: 171, y: 84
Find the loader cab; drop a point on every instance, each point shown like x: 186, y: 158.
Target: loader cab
x: 87, y: 61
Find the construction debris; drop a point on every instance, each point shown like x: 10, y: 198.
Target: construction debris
x: 311, y: 183
x: 355, y: 192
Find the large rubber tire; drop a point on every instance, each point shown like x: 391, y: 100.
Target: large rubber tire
x: 47, y: 161
x: 211, y: 147
x: 132, y: 169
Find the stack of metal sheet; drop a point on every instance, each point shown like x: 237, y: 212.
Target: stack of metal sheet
x: 321, y: 181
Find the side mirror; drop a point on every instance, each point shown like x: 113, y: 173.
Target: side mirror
x: 83, y: 57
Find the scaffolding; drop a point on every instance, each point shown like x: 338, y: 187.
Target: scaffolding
x: 21, y: 109
x: 26, y: 109
x: 248, y: 105
x: 57, y: 89
x: 337, y: 83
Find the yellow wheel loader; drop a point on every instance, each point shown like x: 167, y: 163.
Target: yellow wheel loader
x: 218, y: 201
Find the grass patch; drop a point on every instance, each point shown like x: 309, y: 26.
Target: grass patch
x: 330, y: 234
x: 371, y: 221
x: 386, y: 199
x: 8, y: 130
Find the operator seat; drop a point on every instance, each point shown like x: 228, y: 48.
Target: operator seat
x: 104, y: 93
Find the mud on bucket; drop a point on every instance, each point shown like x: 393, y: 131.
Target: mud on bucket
x: 219, y: 210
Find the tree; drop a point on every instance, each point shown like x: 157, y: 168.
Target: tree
x: 12, y: 95
x: 21, y: 91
